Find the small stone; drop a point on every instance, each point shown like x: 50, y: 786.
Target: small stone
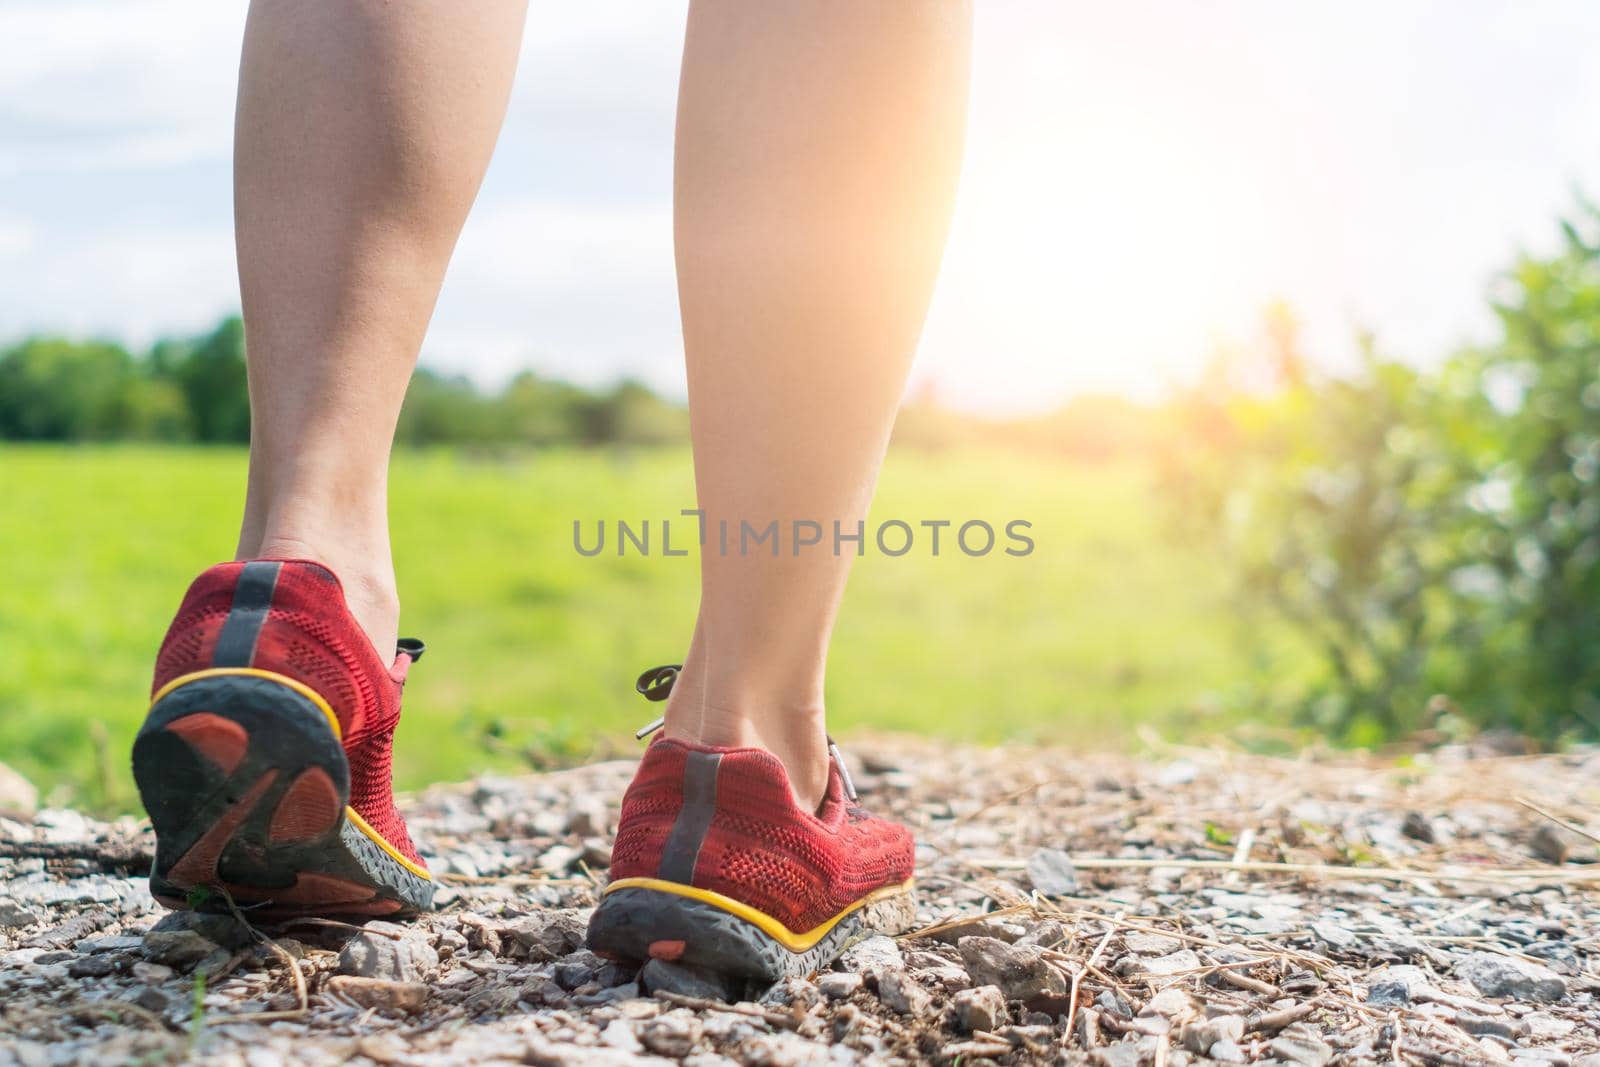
x: 1178, y: 962
x: 596, y: 853
x: 1418, y: 827
x: 547, y: 935
x: 1303, y: 1050
x: 1391, y: 987
x: 1046, y: 934
x: 1227, y: 1051
x: 1147, y: 944
x: 619, y: 1034
x: 794, y: 993
x: 1500, y: 976
x: 14, y: 916
x: 109, y: 944
x: 404, y: 997
x: 1052, y: 873
x: 577, y: 970
x: 151, y: 1000
x: 558, y: 859
x: 900, y: 992
x: 1020, y: 972
x: 1334, y: 936
x: 494, y: 1001
x: 98, y: 966
x: 1553, y: 844
x: 1546, y: 1026
x: 214, y: 964
x: 983, y: 1008
x: 222, y: 930
x: 938, y: 971
x: 876, y: 953
x: 1201, y: 1036
x: 1480, y: 1026
x: 1122, y: 1054
x: 1171, y: 1003
x: 373, y: 953
x: 674, y: 1034
x: 661, y: 976
x: 839, y: 985
x: 588, y: 816
x: 151, y: 972
x: 181, y: 949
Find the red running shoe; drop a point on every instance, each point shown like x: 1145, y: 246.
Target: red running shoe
x: 264, y: 760
x: 715, y: 864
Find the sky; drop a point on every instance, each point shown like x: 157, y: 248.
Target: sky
x: 1142, y: 179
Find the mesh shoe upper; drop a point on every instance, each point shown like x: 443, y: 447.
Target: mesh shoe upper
x: 759, y: 848
x: 308, y: 634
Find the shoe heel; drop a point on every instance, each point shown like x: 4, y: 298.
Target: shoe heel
x: 639, y: 922
x: 240, y: 761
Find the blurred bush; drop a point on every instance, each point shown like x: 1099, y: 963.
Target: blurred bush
x: 1433, y: 534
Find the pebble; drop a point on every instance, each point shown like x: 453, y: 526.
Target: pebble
x: 1227, y: 1051
x: 98, y: 966
x: 1501, y: 976
x: 1052, y: 873
x: 588, y: 816
x: 548, y: 935
x: 662, y: 976
x: 223, y: 930
x: 1394, y: 986
x: 389, y: 952
x: 1178, y: 962
x: 1020, y: 972
x: 1202, y: 1036
x: 151, y: 999
x: 674, y: 1034
x: 983, y: 1008
x: 14, y: 915
x: 180, y: 949
x: 619, y: 1035
x: 876, y: 953
x: 1122, y: 1054
x: 1303, y: 1050
x: 404, y: 997
x: 901, y: 993
x: 839, y: 985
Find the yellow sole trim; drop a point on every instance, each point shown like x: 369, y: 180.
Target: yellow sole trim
x: 361, y: 824
x: 333, y: 722
x: 255, y: 672
x: 767, y: 924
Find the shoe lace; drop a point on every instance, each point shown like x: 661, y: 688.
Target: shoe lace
x: 655, y: 685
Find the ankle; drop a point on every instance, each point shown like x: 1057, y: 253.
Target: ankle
x: 365, y: 574
x: 796, y: 735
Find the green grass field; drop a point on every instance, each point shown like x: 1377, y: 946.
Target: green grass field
x: 533, y: 648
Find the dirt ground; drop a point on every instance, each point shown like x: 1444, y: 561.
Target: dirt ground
x: 1187, y: 908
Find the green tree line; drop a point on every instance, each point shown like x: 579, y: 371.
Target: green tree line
x: 193, y: 390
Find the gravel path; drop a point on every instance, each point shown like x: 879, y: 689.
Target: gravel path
x: 1198, y: 907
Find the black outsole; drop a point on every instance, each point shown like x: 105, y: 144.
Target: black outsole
x: 629, y: 920
x: 188, y: 795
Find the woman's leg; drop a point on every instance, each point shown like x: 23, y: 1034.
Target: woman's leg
x: 363, y: 131
x: 817, y: 153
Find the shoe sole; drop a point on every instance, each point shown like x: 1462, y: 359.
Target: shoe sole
x: 646, y: 918
x: 245, y: 780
